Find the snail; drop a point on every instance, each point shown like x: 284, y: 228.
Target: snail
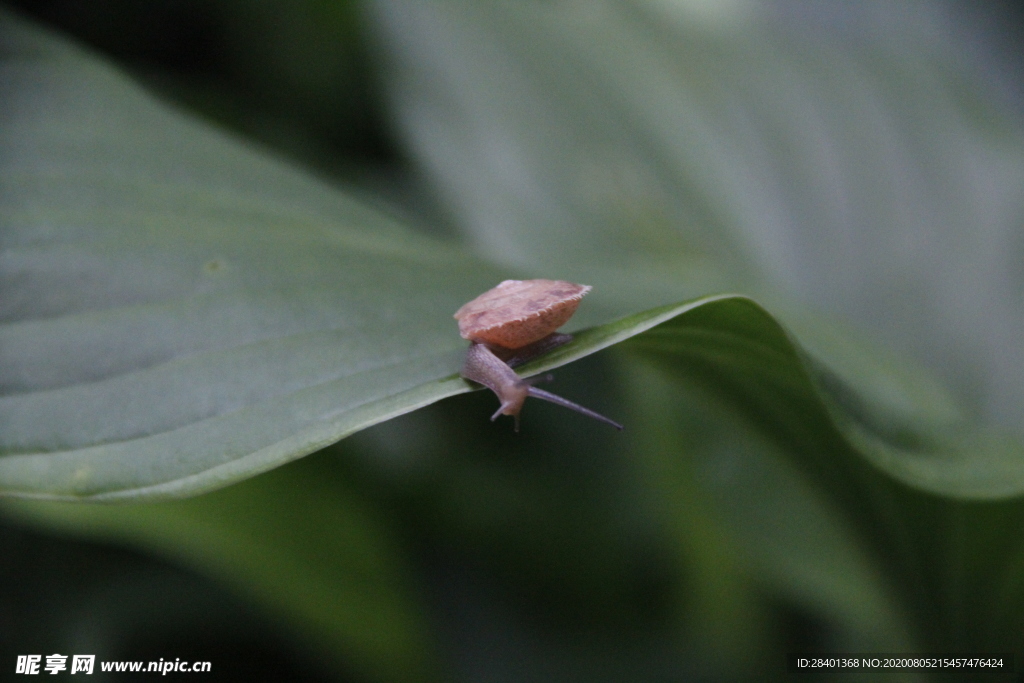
x: 510, y: 324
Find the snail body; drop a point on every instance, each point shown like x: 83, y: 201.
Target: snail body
x: 510, y: 324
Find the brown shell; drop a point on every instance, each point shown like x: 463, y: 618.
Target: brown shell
x: 519, y: 312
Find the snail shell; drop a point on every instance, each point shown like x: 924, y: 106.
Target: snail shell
x: 519, y: 312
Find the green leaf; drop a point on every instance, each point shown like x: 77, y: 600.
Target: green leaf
x: 742, y: 351
x: 181, y: 311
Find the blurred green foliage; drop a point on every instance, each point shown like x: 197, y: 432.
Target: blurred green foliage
x: 782, y: 484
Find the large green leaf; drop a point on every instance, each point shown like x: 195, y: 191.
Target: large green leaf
x: 764, y: 373
x: 181, y: 311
